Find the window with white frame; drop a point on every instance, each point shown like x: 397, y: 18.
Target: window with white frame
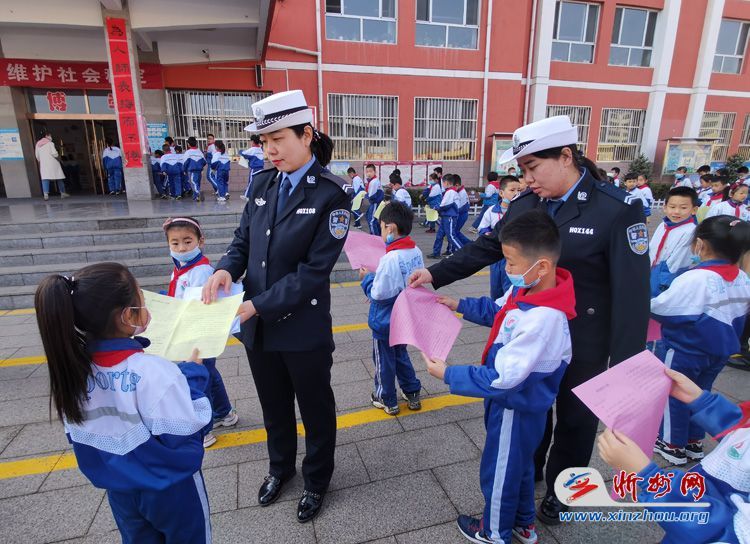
x: 744, y: 149
x: 361, y: 20
x: 580, y: 116
x: 363, y: 127
x: 574, y: 33
x: 620, y: 134
x: 445, y: 129
x: 730, y: 47
x: 223, y: 114
x: 632, y: 37
x: 448, y: 23
x: 718, y: 125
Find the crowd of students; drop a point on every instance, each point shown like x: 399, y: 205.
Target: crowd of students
x: 700, y: 296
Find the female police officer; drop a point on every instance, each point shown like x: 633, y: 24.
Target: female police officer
x: 604, y: 246
x: 290, y: 235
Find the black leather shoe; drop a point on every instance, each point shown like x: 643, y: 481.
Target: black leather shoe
x: 270, y: 490
x: 549, y: 510
x: 309, y: 506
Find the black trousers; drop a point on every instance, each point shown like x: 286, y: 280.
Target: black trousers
x: 279, y: 377
x: 575, y: 429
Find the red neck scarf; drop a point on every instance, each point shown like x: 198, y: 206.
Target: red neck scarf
x: 561, y: 297
x: 728, y: 272
x: 667, y: 229
x: 184, y: 270
x: 402, y: 243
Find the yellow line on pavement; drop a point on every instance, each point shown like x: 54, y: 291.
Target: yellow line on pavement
x: 67, y: 460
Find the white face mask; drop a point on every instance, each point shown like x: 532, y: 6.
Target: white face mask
x: 138, y: 329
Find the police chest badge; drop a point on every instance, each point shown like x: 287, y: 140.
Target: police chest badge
x: 338, y: 223
x: 638, y: 238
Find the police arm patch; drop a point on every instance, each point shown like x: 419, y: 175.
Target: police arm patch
x: 638, y: 238
x: 338, y: 223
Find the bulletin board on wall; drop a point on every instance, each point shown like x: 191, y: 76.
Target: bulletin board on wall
x: 691, y: 154
x: 499, y: 144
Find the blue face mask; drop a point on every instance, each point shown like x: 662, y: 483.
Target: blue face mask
x: 506, y: 201
x: 695, y: 258
x: 187, y: 256
x: 517, y: 280
x: 679, y: 176
x: 389, y: 238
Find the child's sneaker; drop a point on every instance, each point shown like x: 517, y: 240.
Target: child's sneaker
x: 209, y: 440
x: 694, y: 450
x: 220, y: 199
x: 378, y: 403
x: 228, y: 420
x: 676, y: 456
x: 412, y: 399
x: 526, y: 535
x: 471, y: 529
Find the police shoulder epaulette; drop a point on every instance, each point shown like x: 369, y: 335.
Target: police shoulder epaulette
x: 615, y: 192
x: 342, y: 183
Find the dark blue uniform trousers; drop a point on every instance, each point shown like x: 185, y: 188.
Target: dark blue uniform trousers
x: 506, y: 472
x: 392, y: 363
x: 676, y: 427
x: 446, y: 229
x: 176, y: 515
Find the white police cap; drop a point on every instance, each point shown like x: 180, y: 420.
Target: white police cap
x: 540, y: 135
x: 280, y: 110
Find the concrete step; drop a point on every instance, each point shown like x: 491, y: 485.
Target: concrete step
x: 78, y: 239
x: 22, y: 296
x: 13, y: 276
x: 88, y: 225
x: 89, y: 254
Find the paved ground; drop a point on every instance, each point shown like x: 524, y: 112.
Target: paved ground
x: 398, y: 480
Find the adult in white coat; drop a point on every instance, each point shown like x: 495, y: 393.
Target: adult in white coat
x: 49, y: 165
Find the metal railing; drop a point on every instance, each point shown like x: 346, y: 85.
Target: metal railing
x: 717, y: 124
x: 580, y: 116
x: 620, y: 134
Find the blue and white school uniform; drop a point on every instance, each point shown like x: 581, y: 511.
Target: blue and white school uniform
x: 194, y: 162
x: 489, y: 197
x: 220, y: 165
x: 726, y: 472
x: 210, y: 175
x: 730, y: 207
x: 499, y: 281
x: 171, y: 165
x: 112, y: 161
x: 156, y: 173
x: 670, y: 253
x: 357, y: 187
x: 523, y: 364
x: 375, y: 196
x: 647, y: 197
x: 683, y: 182
x: 195, y: 273
x: 382, y: 288
x: 255, y: 162
x: 434, y: 195
x: 142, y: 441
x: 704, y: 193
x: 448, y: 210
x: 702, y: 315
x: 403, y: 196
x: 463, y: 214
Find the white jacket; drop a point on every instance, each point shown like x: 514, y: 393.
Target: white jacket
x: 49, y: 166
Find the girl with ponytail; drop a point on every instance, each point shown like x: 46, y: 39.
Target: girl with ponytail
x: 136, y: 421
x: 702, y: 315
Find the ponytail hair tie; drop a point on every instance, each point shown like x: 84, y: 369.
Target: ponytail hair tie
x: 316, y: 134
x: 70, y: 283
x: 735, y: 222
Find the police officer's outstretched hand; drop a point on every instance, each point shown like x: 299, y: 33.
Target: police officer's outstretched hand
x: 219, y: 279
x: 420, y: 277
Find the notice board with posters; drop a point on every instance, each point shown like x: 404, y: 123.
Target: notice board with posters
x: 688, y: 153
x: 499, y: 144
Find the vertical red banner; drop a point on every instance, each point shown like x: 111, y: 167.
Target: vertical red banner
x: 124, y: 94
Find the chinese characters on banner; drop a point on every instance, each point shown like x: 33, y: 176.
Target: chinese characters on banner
x: 122, y: 84
x: 69, y: 75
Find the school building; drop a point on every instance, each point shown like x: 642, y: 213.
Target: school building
x: 407, y: 83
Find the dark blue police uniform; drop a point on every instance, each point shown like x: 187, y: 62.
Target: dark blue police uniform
x: 605, y: 246
x: 287, y: 258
